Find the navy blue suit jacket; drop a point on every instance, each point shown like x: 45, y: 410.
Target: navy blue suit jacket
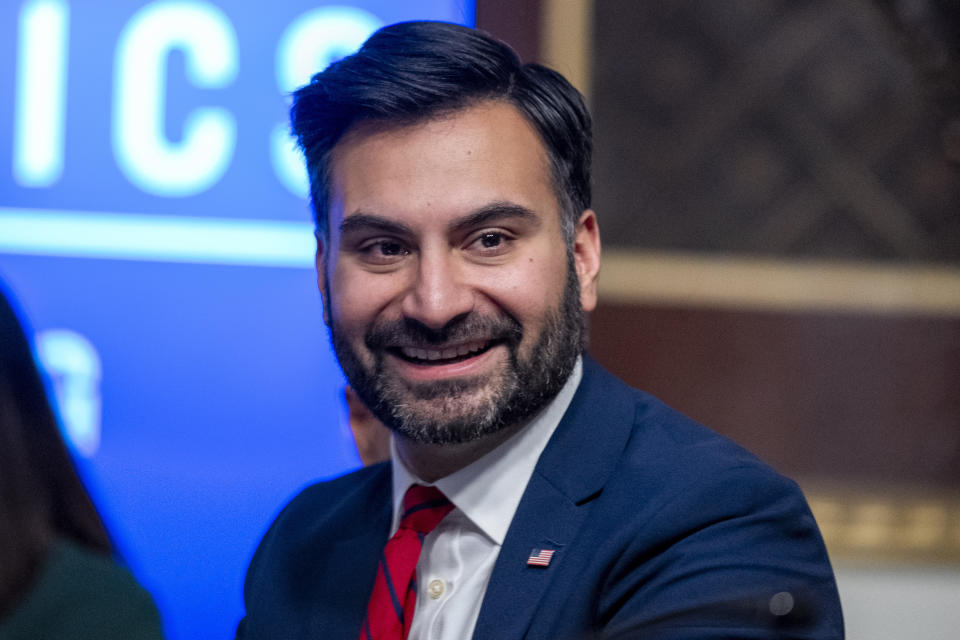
x: 662, y: 529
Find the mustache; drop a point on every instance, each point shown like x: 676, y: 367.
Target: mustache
x: 470, y: 327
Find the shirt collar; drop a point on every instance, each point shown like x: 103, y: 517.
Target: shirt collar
x: 489, y: 490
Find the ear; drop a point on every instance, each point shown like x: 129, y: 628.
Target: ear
x: 320, y: 262
x: 586, y: 256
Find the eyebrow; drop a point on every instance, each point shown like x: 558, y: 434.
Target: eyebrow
x: 491, y: 213
x: 488, y: 214
x: 371, y: 222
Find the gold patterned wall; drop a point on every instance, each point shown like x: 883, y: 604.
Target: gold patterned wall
x: 811, y: 129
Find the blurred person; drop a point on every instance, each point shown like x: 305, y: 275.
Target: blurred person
x: 58, y: 576
x: 529, y: 493
x: 370, y: 435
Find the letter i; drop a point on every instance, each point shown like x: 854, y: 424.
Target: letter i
x: 41, y: 93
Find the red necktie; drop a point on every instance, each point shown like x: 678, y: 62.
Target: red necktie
x: 394, y: 596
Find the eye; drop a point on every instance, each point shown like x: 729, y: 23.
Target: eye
x: 491, y: 240
x: 382, y: 252
x: 390, y: 248
x: 490, y: 243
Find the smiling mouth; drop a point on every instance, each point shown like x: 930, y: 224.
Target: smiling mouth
x: 442, y: 355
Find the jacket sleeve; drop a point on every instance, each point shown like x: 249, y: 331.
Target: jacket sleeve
x: 733, y: 555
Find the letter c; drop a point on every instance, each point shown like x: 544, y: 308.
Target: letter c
x: 144, y: 154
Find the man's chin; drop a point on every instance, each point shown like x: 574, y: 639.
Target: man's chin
x: 466, y: 390
x: 445, y: 412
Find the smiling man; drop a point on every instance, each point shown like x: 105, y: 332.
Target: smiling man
x: 454, y: 307
x: 529, y: 494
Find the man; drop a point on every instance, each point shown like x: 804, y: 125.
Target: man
x: 457, y: 255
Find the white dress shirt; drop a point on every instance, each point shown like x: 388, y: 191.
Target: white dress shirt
x: 458, y: 556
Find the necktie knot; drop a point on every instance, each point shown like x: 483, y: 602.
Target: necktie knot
x: 424, y: 508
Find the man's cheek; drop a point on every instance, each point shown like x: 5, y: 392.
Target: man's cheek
x: 529, y: 338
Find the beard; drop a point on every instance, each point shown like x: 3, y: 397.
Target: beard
x: 466, y: 409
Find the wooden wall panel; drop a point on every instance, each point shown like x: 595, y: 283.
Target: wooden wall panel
x: 516, y: 22
x: 863, y: 398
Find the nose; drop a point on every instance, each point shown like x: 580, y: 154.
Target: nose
x: 439, y: 292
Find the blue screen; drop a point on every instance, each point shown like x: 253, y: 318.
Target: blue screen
x: 155, y: 230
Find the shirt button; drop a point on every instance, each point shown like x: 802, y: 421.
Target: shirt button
x: 435, y: 589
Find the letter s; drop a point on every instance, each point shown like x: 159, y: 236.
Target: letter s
x: 311, y: 42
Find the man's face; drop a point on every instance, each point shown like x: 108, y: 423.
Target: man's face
x: 453, y: 302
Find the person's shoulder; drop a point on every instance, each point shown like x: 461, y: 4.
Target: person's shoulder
x: 298, y: 550
x: 340, y: 496
x: 667, y: 449
x: 657, y: 426
x: 701, y: 530
x: 673, y: 434
x: 81, y: 594
x: 67, y: 558
x: 322, y: 510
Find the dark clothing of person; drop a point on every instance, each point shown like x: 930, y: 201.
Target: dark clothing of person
x: 81, y: 595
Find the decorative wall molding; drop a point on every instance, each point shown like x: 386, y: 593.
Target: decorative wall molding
x: 739, y: 282
x: 567, y: 40
x: 870, y: 526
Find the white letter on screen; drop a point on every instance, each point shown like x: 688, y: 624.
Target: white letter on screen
x: 145, y: 155
x: 41, y: 109
x: 74, y: 368
x: 310, y: 43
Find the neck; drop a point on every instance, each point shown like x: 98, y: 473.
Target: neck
x: 430, y: 462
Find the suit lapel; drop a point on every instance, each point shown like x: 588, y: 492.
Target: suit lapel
x: 353, y: 565
x: 344, y: 579
x: 571, y: 472
x: 547, y: 521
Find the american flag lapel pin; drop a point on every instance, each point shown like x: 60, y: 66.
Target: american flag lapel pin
x: 540, y: 557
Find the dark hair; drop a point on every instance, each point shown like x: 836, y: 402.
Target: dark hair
x: 412, y: 71
x: 41, y: 495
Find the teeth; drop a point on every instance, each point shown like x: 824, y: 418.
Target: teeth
x: 443, y: 354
